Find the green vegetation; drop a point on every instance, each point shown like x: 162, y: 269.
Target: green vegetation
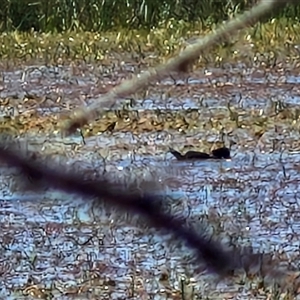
x: 275, y: 39
x: 99, y: 15
x: 92, y: 30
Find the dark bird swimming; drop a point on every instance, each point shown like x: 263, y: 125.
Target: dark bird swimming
x: 220, y: 153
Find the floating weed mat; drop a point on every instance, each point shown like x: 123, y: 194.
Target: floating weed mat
x: 155, y: 120
x: 256, y: 277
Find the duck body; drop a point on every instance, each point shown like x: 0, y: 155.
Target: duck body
x: 189, y: 155
x: 196, y: 155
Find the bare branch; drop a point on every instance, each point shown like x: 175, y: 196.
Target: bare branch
x: 178, y: 64
x: 147, y: 206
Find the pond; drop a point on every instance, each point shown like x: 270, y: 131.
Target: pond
x: 59, y: 246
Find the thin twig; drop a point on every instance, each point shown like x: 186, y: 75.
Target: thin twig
x: 83, y: 115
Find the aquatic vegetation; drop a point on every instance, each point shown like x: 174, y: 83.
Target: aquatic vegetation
x: 260, y: 44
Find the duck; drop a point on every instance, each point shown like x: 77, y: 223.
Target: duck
x: 220, y: 153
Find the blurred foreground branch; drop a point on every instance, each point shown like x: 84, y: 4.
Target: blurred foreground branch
x: 181, y: 63
x: 147, y: 206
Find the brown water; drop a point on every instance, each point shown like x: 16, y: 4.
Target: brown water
x: 67, y: 245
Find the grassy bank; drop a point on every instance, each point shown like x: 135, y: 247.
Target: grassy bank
x: 95, y: 15
x: 276, y: 39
